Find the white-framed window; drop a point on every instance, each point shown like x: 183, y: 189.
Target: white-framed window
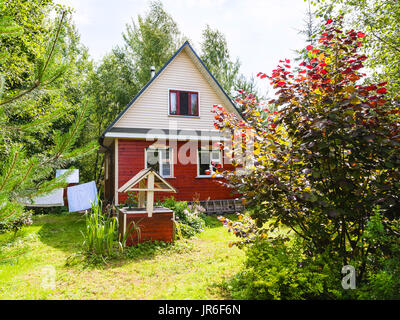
x: 208, y: 162
x: 160, y: 159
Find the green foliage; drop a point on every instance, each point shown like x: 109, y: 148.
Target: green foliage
x: 22, y: 219
x: 151, y: 41
x: 215, y: 55
x: 383, y: 268
x: 381, y: 21
x: 33, y: 139
x: 28, y: 41
x: 100, y: 232
x: 101, y: 239
x: 8, y: 29
x: 22, y: 178
x: 188, y: 217
x: 276, y: 270
x: 131, y: 201
x: 100, y: 235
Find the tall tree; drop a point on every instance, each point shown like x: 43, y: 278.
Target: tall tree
x: 110, y: 87
x: 151, y: 41
x: 36, y: 95
x: 215, y: 55
x: 311, y: 27
x: 22, y: 51
x: 26, y: 173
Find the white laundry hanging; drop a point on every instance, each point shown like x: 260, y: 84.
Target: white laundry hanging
x: 53, y: 199
x: 82, y: 196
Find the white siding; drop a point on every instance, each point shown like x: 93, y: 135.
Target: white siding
x: 150, y: 110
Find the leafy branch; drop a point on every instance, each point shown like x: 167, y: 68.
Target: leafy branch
x: 39, y: 81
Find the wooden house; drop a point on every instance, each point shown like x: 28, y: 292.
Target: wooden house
x: 169, y: 127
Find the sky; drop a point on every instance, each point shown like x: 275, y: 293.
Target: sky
x: 258, y: 32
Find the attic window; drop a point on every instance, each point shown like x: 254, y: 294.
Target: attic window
x: 183, y: 103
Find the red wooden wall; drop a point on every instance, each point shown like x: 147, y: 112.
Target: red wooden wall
x: 159, y: 227
x: 131, y: 158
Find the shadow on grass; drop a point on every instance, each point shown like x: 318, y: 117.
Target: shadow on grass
x: 150, y: 249
x: 61, y: 231
x: 142, y: 252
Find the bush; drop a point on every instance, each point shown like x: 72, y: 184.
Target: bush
x: 101, y: 233
x: 329, y: 154
x: 131, y: 201
x: 22, y: 219
x: 383, y: 267
x: 276, y: 270
x: 184, y: 230
x: 188, y: 217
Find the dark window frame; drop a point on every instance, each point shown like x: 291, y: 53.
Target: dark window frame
x: 177, y: 92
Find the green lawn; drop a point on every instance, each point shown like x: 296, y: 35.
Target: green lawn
x: 186, y: 270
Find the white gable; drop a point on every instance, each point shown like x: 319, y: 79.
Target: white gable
x: 150, y: 110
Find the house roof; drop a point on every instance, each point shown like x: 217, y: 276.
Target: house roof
x: 196, y: 59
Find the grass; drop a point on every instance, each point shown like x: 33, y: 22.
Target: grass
x: 191, y: 269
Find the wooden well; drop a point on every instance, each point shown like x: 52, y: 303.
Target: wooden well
x: 158, y: 227
x: 154, y: 223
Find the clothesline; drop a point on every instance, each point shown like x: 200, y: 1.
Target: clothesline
x: 79, y: 197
